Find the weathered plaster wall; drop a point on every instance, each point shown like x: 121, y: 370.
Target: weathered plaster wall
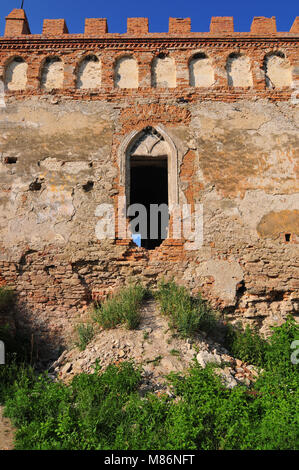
x: 225, y: 108
x: 16, y: 75
x: 59, y: 162
x: 52, y: 74
x: 164, y: 72
x: 238, y: 71
x: 201, y: 72
x: 89, y: 73
x: 126, y: 73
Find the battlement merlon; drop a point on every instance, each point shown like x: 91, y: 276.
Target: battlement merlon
x: 17, y: 26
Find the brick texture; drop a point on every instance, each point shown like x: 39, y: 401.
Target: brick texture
x: 137, y: 26
x: 95, y: 26
x: 222, y: 24
x: 179, y: 25
x: 16, y: 24
x: 262, y: 25
x: 54, y: 27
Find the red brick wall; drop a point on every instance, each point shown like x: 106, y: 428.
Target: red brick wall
x: 222, y: 24
x: 137, y: 25
x: 95, y: 26
x: 54, y: 27
x: 16, y: 24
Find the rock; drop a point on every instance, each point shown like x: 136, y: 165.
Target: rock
x: 66, y: 368
x: 226, y: 378
x: 205, y: 357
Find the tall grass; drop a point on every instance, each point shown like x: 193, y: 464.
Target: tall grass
x: 121, y: 309
x: 85, y: 334
x: 186, y: 314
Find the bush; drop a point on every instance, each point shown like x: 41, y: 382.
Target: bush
x: 85, y: 335
x: 187, y: 315
x: 121, y: 309
x: 104, y: 410
x: 246, y: 345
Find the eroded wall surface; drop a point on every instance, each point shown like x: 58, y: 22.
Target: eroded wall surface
x: 233, y: 151
x: 239, y: 160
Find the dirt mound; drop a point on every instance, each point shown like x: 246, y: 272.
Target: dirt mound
x: 154, y: 346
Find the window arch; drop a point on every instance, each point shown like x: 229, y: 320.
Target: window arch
x: 126, y: 72
x: 15, y: 76
x: 163, y: 72
x: 52, y: 74
x: 277, y: 70
x: 145, y: 156
x: 238, y: 69
x: 201, y: 72
x: 89, y: 73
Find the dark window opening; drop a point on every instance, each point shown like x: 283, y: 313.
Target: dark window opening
x: 287, y: 237
x: 10, y: 160
x: 88, y: 186
x: 149, y: 186
x: 35, y: 186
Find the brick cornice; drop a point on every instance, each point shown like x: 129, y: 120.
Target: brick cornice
x: 135, y: 43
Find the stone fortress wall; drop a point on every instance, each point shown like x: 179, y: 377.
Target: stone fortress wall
x: 224, y: 105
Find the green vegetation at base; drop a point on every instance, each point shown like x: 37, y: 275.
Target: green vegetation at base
x: 187, y: 315
x: 105, y: 411
x: 85, y: 334
x: 123, y: 308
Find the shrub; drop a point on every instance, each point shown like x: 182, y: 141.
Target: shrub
x: 85, y: 335
x: 246, y: 345
x: 122, y: 308
x: 187, y: 315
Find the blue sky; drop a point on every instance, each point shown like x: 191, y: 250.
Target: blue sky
x: 158, y: 12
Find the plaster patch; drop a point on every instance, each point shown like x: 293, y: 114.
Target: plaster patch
x: 89, y: 73
x: 52, y: 74
x: 227, y: 274
x: 201, y: 72
x: 16, y: 75
x: 238, y: 72
x: 126, y: 73
x: 164, y: 72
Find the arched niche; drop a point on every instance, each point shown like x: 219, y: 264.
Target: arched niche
x: 163, y: 72
x: 238, y: 70
x: 201, y: 72
x: 89, y: 73
x: 15, y: 75
x: 278, y: 72
x: 126, y: 72
x: 52, y: 73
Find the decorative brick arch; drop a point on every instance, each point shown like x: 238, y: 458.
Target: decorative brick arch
x: 124, y: 154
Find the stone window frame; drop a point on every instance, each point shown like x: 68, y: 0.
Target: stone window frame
x: 172, y: 160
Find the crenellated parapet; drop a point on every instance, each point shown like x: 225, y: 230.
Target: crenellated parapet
x: 219, y: 64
